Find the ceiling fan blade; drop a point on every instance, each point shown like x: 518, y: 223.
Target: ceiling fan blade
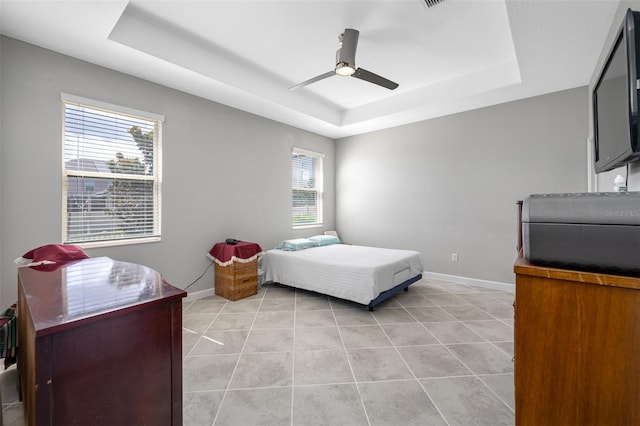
x: 365, y: 75
x: 313, y: 80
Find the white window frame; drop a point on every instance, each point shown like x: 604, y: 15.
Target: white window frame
x: 318, y: 188
x: 155, y: 235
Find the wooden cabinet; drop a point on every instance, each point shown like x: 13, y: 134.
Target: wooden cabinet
x: 236, y: 268
x: 100, y: 342
x: 577, y: 347
x: 237, y: 280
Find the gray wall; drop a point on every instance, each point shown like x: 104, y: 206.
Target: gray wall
x: 438, y: 186
x: 450, y: 184
x: 226, y: 173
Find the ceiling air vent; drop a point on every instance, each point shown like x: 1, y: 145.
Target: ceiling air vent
x: 431, y: 3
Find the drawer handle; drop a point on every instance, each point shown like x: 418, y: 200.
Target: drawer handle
x: 245, y: 280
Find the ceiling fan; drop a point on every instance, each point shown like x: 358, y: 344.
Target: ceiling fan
x: 346, y: 64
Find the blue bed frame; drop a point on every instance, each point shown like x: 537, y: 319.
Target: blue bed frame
x: 387, y: 294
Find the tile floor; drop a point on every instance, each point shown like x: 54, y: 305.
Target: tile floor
x: 438, y: 354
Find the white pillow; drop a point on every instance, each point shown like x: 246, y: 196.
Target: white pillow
x: 296, y: 244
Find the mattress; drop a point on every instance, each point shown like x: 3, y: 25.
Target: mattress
x: 356, y: 273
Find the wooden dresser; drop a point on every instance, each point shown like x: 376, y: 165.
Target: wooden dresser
x: 577, y: 347
x: 100, y: 342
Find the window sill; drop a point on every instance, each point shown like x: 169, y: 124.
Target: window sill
x: 114, y: 243
x: 315, y: 225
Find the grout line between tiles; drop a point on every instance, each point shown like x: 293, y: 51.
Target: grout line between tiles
x: 407, y: 364
x: 233, y: 373
x: 466, y: 366
x: 353, y: 374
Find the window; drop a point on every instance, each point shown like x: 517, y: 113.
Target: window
x: 111, y: 172
x: 306, y: 182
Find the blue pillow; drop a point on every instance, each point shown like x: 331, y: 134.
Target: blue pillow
x: 325, y: 240
x: 296, y: 244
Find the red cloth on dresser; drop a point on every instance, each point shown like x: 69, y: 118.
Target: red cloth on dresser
x: 52, y: 256
x: 224, y: 254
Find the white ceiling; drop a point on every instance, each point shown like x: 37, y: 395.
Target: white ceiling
x: 455, y: 56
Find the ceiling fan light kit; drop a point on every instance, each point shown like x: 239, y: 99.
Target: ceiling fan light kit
x: 346, y: 64
x: 345, y: 69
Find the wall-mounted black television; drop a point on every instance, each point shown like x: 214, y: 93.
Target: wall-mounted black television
x: 616, y: 98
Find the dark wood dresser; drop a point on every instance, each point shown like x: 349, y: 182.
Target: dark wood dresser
x: 100, y: 343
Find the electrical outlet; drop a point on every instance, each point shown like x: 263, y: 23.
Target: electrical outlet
x: 454, y: 257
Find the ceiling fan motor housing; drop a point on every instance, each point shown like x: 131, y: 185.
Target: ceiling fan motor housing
x: 346, y: 55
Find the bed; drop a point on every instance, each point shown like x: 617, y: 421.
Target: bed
x: 365, y: 275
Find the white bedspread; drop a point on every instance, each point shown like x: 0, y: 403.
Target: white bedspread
x: 356, y: 273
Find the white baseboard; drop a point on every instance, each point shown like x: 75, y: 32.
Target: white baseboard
x: 471, y: 281
x: 191, y: 296
x: 195, y: 295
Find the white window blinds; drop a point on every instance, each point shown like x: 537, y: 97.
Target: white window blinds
x: 307, y: 183
x: 111, y: 174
